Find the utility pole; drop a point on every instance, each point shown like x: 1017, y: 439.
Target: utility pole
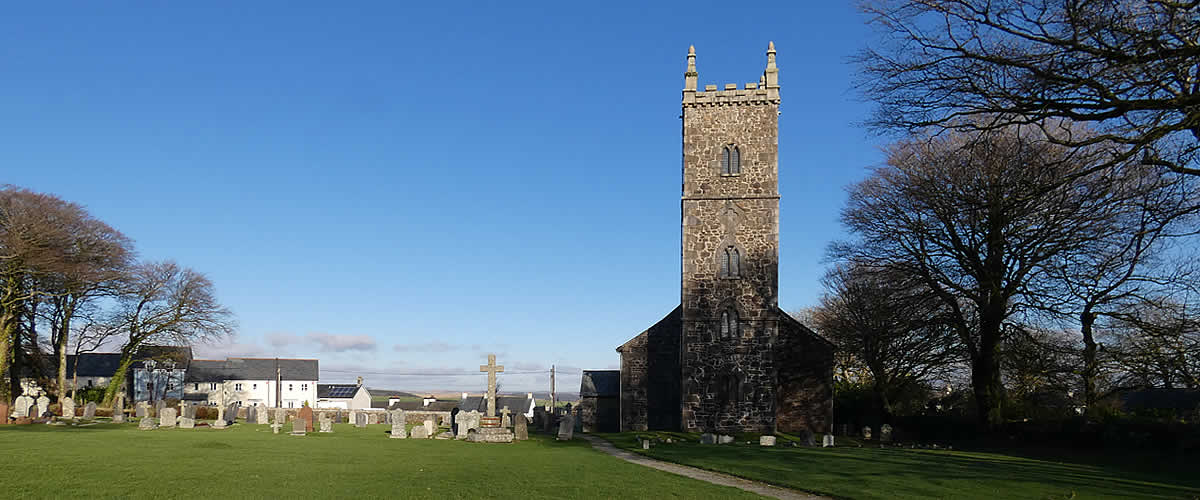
x: 278, y: 384
x: 552, y: 394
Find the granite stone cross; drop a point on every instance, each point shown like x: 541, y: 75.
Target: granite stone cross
x: 491, y: 370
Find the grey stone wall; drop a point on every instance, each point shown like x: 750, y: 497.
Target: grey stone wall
x: 650, y: 377
x: 805, y: 379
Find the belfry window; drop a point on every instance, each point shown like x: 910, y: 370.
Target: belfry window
x: 731, y: 160
x: 731, y: 262
x: 729, y: 323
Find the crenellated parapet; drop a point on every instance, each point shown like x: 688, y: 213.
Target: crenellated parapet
x: 766, y: 91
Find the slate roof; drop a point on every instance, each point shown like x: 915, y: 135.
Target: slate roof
x: 1174, y: 399
x: 181, y: 355
x: 417, y: 406
x: 98, y: 364
x: 205, y: 370
x: 600, y: 383
x: 517, y: 404
x: 337, y: 391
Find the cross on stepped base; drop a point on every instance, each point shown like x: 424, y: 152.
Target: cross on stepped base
x: 491, y: 370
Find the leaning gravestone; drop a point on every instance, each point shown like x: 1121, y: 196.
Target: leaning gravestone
x: 260, y: 417
x: 419, y: 432
x: 298, y: 427
x: 166, y: 417
x: 43, y: 405
x: 146, y: 424
x: 398, y: 418
x: 326, y: 422
x: 68, y: 408
x: 89, y: 411
x: 521, y: 429
x: 187, y: 423
x: 566, y: 428
x: 866, y: 432
x: 885, y: 433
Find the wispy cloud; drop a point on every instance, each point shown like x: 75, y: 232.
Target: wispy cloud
x: 341, y: 343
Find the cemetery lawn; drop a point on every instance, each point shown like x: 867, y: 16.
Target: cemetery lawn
x: 249, y: 461
x: 871, y: 472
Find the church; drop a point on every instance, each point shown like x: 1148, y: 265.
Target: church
x: 728, y: 359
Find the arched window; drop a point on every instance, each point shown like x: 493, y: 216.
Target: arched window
x: 729, y: 323
x: 725, y: 161
x: 735, y: 162
x: 731, y: 262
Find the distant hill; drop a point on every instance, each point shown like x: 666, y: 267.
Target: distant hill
x: 390, y: 392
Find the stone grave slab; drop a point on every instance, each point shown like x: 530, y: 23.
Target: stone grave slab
x: 187, y: 423
x: 166, y: 417
x: 766, y: 441
x: 299, y: 427
x: 306, y: 414
x: 566, y: 428
x: 521, y: 429
x: 147, y: 423
x: 68, y: 408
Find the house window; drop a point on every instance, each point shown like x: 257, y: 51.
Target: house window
x: 289, y: 388
x: 731, y: 262
x: 212, y: 386
x: 196, y: 387
x: 291, y: 404
x: 89, y: 382
x: 731, y: 160
x: 304, y: 387
x: 729, y: 323
x: 237, y: 387
x: 254, y: 386
x: 170, y: 386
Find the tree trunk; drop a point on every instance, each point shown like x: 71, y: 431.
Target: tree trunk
x: 6, y: 349
x: 118, y: 378
x: 1086, y: 321
x: 985, y: 373
x: 61, y: 346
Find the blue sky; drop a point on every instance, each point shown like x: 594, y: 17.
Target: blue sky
x: 400, y: 188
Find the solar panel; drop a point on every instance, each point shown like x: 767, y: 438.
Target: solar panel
x: 342, y: 391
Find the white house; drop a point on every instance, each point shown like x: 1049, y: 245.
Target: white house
x: 271, y: 382
x: 344, y: 396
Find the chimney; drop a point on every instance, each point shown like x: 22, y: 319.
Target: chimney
x: 464, y: 396
x: 359, y: 380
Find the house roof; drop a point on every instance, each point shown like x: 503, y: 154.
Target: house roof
x: 675, y: 315
x: 180, y: 355
x: 419, y: 406
x: 1175, y: 399
x: 205, y: 370
x: 516, y: 404
x: 337, y: 391
x: 96, y: 364
x: 600, y: 383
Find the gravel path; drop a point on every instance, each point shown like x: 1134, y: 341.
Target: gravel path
x: 701, y: 474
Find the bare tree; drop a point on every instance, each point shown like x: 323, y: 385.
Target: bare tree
x: 1158, y: 345
x: 891, y: 325
x: 1129, y: 67
x: 973, y: 217
x: 163, y: 302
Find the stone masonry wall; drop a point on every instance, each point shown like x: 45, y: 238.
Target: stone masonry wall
x: 729, y: 382
x: 650, y: 377
x: 805, y: 379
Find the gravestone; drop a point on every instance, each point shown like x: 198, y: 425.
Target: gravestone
x: 708, y: 438
x: 725, y: 439
x: 220, y: 422
x: 252, y: 414
x: 306, y: 414
x: 280, y: 416
x: 166, y: 417
x: 766, y: 441
x: 808, y: 438
x: 521, y: 430
x: 885, y: 433
x: 261, y: 417
x: 866, y: 432
x: 566, y: 428
x: 429, y: 427
x: 506, y: 421
x: 468, y: 421
x: 420, y: 432
x: 89, y: 410
x: 398, y: 418
x: 445, y: 435
x: 68, y: 408
x: 187, y: 423
x: 645, y: 444
x: 828, y: 441
x: 22, y: 403
x: 189, y: 411
x: 337, y: 417
x: 43, y: 405
x: 360, y: 420
x: 231, y: 412
x: 326, y: 422
x: 118, y: 409
x: 299, y: 427
x: 139, y: 410
x: 158, y: 408
x: 146, y: 424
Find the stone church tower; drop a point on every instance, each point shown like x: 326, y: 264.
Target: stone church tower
x: 728, y: 359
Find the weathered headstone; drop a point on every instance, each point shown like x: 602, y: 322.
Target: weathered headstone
x: 866, y: 432
x: 521, y: 429
x: 645, y: 444
x: 166, y: 417
x: 429, y: 427
x: 360, y: 420
x: 89, y: 410
x: 159, y: 407
x: 220, y: 422
x: 398, y: 430
x: 139, y: 409
x: 492, y: 369
x: 708, y: 438
x: 252, y: 415
x: 445, y: 435
x: 808, y: 438
x: 187, y: 423
x: 828, y: 441
x: 146, y: 424
x: 566, y: 428
x: 231, y: 412
x: 68, y: 408
x: 326, y: 422
x: 261, y: 417
x: 280, y: 416
x: 22, y: 403
x: 43, y: 405
x: 766, y: 440
x: 506, y: 420
x: 885, y: 433
x: 118, y: 409
x: 725, y: 439
x: 298, y: 427
x: 306, y: 414
x: 419, y: 432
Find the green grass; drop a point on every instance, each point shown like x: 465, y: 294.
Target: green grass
x: 853, y: 472
x: 249, y: 461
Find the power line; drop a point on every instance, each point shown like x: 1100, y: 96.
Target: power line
x: 442, y: 374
